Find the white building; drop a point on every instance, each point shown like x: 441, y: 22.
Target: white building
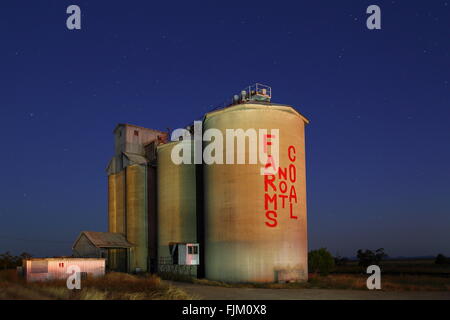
x: 41, y: 269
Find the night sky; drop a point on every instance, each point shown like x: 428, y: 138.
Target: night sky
x: 378, y: 154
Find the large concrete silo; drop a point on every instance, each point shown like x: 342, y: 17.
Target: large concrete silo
x: 256, y: 229
x: 130, y: 187
x: 136, y: 216
x: 117, y: 258
x: 116, y: 203
x: 176, y: 205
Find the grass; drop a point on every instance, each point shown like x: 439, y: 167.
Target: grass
x: 174, y: 276
x: 348, y: 281
x: 420, y: 275
x: 405, y: 266
x: 396, y: 275
x: 403, y: 282
x: 113, y: 286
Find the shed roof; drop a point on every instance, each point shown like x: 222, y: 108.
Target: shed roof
x: 105, y: 239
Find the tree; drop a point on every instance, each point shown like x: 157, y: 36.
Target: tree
x: 25, y: 255
x: 6, y: 260
x: 368, y: 257
x: 320, y: 261
x: 441, y: 259
x: 380, y: 255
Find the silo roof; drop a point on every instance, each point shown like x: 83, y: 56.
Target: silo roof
x: 257, y: 105
x: 136, y: 158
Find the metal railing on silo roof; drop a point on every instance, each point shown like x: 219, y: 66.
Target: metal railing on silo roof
x: 258, y: 90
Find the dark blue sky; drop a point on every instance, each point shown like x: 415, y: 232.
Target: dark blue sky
x: 378, y: 155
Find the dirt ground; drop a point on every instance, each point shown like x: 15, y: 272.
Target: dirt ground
x: 204, y: 292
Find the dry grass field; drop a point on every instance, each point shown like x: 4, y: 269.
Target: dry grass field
x: 350, y: 281
x: 397, y: 276
x: 405, y: 266
x: 114, y: 286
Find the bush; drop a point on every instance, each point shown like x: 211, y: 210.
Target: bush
x: 320, y: 261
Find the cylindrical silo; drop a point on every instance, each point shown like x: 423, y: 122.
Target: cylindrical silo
x: 255, y: 225
x: 112, y: 203
x: 176, y: 203
x: 136, y: 216
x: 116, y: 202
x: 116, y: 217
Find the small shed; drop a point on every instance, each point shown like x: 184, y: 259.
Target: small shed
x: 113, y: 247
x: 42, y: 269
x: 185, y: 253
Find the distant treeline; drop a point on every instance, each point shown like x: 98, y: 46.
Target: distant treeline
x: 9, y: 261
x: 319, y: 260
x: 322, y: 261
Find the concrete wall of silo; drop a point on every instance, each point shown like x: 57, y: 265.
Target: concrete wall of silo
x: 176, y: 206
x: 248, y: 238
x: 136, y: 216
x: 117, y: 217
x: 116, y: 202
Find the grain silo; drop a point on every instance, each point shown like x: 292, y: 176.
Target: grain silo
x: 116, y: 218
x: 136, y: 218
x: 116, y: 199
x: 128, y: 198
x: 176, y: 210
x: 255, y: 225
x: 226, y: 222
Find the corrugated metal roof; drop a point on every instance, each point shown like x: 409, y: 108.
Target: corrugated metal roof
x: 106, y: 239
x: 136, y: 158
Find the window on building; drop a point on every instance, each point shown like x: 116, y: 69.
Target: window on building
x: 136, y: 133
x: 192, y: 250
x: 39, y: 266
